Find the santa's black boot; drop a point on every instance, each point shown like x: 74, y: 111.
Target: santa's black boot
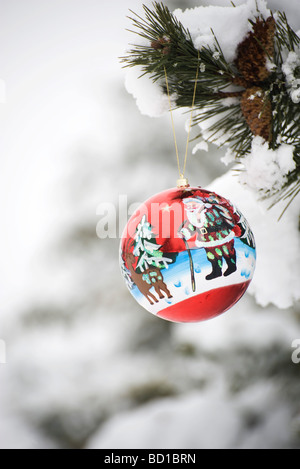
x: 231, y: 262
x: 216, y: 270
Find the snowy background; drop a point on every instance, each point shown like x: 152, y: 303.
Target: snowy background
x: 86, y: 367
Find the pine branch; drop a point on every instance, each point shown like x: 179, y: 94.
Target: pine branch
x: 262, y: 103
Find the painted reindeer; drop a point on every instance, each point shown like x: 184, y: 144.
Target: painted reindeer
x: 151, y: 277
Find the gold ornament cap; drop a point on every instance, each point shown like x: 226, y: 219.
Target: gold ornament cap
x: 182, y: 182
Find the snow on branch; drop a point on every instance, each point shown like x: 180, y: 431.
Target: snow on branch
x: 248, y: 90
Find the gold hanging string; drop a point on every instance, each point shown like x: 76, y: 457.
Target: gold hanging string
x: 182, y: 180
x: 191, y: 118
x: 172, y: 120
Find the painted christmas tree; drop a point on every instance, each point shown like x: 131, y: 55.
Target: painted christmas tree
x: 126, y: 274
x: 147, y: 250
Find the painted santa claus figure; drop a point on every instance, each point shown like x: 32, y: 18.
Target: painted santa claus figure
x: 214, y: 226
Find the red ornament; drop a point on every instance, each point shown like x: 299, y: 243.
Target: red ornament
x: 187, y: 254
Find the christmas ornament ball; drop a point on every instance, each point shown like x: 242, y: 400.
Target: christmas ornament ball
x: 187, y: 254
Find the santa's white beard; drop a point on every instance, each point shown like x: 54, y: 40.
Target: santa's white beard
x: 196, y: 217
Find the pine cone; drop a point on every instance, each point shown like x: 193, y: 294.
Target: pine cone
x: 161, y: 44
x: 255, y: 48
x: 257, y: 110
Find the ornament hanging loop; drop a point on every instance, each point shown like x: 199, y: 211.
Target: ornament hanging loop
x: 182, y: 181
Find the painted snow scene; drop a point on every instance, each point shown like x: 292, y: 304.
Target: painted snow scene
x: 187, y: 255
